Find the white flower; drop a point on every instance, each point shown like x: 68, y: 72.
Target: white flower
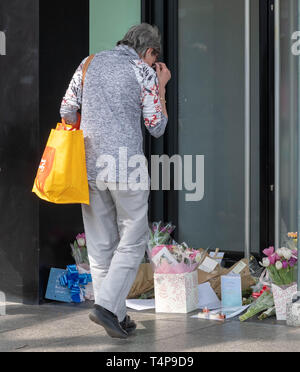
x: 287, y: 253
x: 278, y: 265
x: 81, y: 242
x: 198, y: 257
x: 279, y: 251
x: 265, y: 262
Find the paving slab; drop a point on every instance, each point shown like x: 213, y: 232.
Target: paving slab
x: 58, y: 327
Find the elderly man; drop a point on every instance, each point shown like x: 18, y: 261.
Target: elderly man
x: 120, y: 86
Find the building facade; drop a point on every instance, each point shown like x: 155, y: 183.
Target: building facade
x: 233, y: 99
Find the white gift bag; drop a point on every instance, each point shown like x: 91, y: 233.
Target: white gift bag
x: 282, y: 296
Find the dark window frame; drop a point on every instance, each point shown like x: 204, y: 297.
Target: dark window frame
x: 163, y: 13
x: 267, y: 134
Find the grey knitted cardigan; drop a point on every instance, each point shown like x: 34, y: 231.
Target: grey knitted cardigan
x: 119, y: 89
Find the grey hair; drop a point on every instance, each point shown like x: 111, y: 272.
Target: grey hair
x: 142, y: 37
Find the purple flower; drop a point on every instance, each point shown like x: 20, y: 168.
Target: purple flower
x: 285, y: 264
x: 268, y: 251
x: 292, y: 262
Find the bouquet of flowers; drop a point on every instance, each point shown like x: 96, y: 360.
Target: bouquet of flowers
x: 264, y: 303
x: 79, y: 250
x: 280, y: 265
x: 169, y: 257
x: 175, y: 259
x: 160, y: 234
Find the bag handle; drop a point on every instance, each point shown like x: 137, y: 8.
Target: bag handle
x: 86, y: 66
x: 84, y: 71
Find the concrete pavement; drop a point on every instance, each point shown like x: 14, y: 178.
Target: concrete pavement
x: 58, y: 327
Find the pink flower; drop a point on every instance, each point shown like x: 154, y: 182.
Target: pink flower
x: 193, y: 255
x: 268, y: 251
x: 81, y: 241
x: 274, y: 258
x: 80, y: 236
x: 285, y: 264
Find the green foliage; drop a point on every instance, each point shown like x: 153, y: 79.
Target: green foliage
x: 264, y: 302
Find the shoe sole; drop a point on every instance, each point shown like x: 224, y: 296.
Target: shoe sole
x: 109, y: 331
x: 130, y: 331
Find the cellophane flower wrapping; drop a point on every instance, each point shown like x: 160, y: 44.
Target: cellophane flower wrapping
x: 160, y: 234
x: 292, y: 240
x: 80, y: 255
x: 169, y: 258
x: 88, y: 290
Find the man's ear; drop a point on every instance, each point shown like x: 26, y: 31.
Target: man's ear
x: 149, y: 51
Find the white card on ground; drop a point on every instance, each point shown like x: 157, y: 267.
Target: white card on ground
x: 140, y: 305
x: 231, y: 312
x: 208, y: 297
x: 208, y: 265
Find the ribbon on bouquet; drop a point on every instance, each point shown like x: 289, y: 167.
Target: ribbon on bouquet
x: 75, y: 282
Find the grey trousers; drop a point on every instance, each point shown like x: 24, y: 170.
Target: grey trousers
x: 117, y: 233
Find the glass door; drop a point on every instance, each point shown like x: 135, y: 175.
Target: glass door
x: 287, y: 116
x: 219, y: 118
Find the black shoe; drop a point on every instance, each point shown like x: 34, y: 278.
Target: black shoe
x: 128, y: 324
x: 108, y: 321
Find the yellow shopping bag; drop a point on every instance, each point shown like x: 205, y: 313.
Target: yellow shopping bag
x: 62, y: 175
